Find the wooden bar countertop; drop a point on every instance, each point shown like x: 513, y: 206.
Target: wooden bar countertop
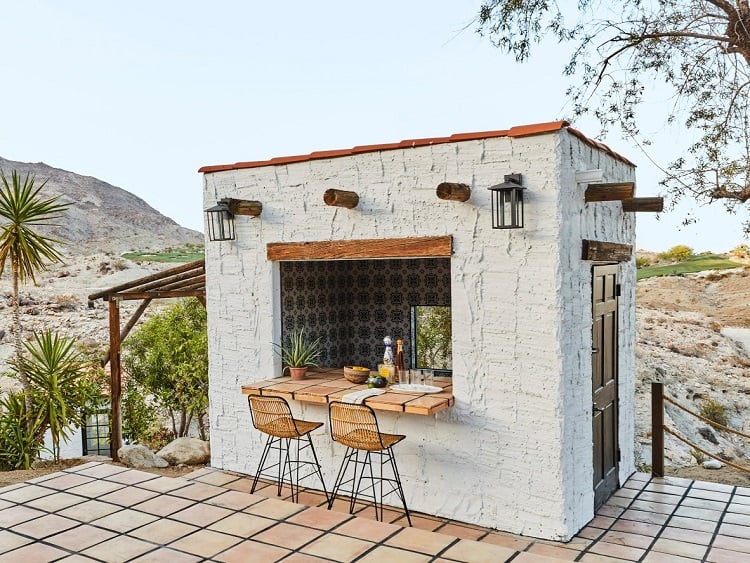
x: 321, y: 386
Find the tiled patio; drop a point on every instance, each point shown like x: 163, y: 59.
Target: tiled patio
x: 102, y: 512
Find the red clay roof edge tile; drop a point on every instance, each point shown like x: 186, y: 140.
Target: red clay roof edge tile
x: 517, y: 131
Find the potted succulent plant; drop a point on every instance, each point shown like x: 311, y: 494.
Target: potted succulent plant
x: 298, y: 353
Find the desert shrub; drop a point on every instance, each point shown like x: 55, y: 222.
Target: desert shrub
x: 642, y: 262
x: 741, y: 251
x: 21, y: 435
x: 699, y: 456
x: 66, y: 302
x: 119, y: 265
x: 714, y: 411
x: 676, y: 253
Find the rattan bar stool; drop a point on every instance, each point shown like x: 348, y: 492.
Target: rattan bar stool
x: 356, y: 427
x: 272, y: 416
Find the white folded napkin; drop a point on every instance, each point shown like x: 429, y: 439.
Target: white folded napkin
x: 357, y: 397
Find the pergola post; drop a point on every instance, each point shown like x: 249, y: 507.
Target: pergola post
x: 115, y: 380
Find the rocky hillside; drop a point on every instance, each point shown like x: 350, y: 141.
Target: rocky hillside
x: 103, y: 217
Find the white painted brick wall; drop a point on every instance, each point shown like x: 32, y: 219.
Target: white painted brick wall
x: 514, y: 453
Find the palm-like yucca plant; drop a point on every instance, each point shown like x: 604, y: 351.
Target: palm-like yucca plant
x: 299, y: 352
x: 18, y: 447
x: 59, y: 386
x: 22, y: 211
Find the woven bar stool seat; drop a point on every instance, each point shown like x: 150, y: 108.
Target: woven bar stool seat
x: 356, y: 427
x: 272, y: 416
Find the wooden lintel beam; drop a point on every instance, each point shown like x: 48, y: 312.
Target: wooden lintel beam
x: 599, y: 251
x: 648, y: 204
x: 616, y: 191
x: 452, y: 191
x: 130, y: 296
x: 417, y: 247
x: 341, y: 198
x: 245, y: 207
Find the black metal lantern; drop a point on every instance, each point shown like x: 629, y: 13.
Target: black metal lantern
x: 220, y: 221
x: 507, y: 203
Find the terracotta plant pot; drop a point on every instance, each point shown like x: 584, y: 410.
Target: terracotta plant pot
x: 298, y: 373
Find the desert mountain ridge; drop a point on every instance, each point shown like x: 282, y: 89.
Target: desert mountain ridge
x: 102, y: 217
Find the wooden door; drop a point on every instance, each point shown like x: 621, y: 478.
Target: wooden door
x: 605, y: 290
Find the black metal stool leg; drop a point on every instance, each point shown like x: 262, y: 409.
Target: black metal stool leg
x: 399, y: 489
x: 317, y: 467
x: 263, y: 456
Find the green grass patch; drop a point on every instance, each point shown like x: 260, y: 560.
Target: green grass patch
x: 698, y: 263
x: 189, y: 253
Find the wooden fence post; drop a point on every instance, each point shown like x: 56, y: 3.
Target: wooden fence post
x: 657, y: 429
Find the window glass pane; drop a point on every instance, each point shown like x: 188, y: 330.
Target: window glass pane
x: 431, y: 337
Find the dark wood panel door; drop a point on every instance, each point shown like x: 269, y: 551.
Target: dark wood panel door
x: 604, y: 382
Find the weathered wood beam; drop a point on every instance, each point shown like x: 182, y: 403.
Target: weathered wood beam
x: 648, y: 204
x: 452, y: 191
x: 341, y: 198
x: 130, y: 296
x: 599, y: 251
x: 115, y: 387
x: 417, y: 247
x: 245, y: 207
x: 616, y: 191
x: 128, y: 327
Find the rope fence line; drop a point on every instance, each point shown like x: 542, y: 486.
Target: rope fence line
x: 669, y: 399
x: 704, y: 452
x: 658, y: 428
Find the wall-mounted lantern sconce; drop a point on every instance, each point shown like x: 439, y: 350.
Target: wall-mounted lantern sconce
x: 221, y: 216
x: 507, y: 203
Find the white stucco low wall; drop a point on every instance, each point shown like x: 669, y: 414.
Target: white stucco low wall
x: 514, y: 453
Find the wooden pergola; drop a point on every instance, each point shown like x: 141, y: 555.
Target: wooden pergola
x: 187, y: 280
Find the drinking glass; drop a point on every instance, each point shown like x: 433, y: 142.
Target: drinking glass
x: 427, y: 377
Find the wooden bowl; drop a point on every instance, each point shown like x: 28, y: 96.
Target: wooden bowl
x: 356, y: 375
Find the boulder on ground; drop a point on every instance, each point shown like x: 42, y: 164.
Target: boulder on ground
x: 713, y: 464
x: 186, y: 451
x: 140, y: 457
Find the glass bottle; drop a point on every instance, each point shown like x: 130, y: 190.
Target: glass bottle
x: 388, y: 367
x: 400, y: 366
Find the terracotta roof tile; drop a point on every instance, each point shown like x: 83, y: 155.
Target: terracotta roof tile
x: 517, y: 131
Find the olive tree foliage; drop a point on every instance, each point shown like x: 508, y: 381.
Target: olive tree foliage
x: 167, y: 359
x: 621, y: 51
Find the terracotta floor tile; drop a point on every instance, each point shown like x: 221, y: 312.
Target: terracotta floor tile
x: 478, y: 552
x: 303, y: 558
x: 739, y: 499
x: 89, y: 510
x: 78, y: 539
x: 735, y: 530
x: 659, y: 557
x: 272, y: 508
x: 692, y: 536
x: 163, y: 484
x: 626, y: 493
x: 9, y: 541
x: 338, y: 548
x: 611, y: 511
x: 164, y: 555
x: 16, y: 514
x: 552, y: 551
x: 663, y: 488
x: 119, y: 549
x: 717, y: 555
x: 734, y: 544
x: 710, y: 486
x: 614, y: 550
x: 709, y: 495
x: 634, y: 527
x: 603, y: 522
x: 128, y: 496
x: 526, y: 557
x: 736, y: 508
x: 392, y: 555
x: 419, y: 540
x: 595, y: 533
x: 163, y: 505
x: 389, y: 515
x: 76, y: 558
x: 462, y: 532
x: 132, y: 477
x: 34, y: 552
x: 367, y: 530
x: 670, y: 480
x: 312, y: 498
x: 202, y: 472
x: 234, y: 500
x: 197, y: 491
x: 98, y: 470
x: 320, y: 518
x: 739, y: 519
x: 252, y: 551
x: 704, y: 503
x: 95, y: 489
x: 692, y: 524
x: 242, y: 485
x: 659, y: 497
x: 55, y: 501
x: 205, y: 543
x: 242, y: 525
x: 201, y: 514
x: 289, y: 536
x: 163, y: 531
x: 68, y: 481
x: 656, y: 507
x: 45, y: 526
x: 701, y: 513
x: 681, y: 548
x: 124, y: 520
x: 25, y: 493
x: 628, y: 539
x: 647, y: 517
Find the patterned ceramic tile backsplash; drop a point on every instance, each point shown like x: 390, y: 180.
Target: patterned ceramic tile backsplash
x: 354, y: 304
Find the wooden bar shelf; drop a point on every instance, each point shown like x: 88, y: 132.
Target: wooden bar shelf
x: 322, y: 387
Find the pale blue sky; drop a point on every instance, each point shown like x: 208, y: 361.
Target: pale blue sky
x: 141, y: 94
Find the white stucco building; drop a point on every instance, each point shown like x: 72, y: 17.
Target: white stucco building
x: 543, y: 317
